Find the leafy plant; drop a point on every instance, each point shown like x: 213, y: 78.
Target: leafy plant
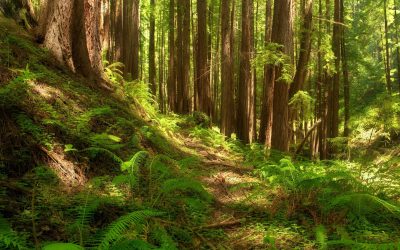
x: 116, y: 230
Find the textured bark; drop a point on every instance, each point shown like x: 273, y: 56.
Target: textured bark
x: 161, y: 69
x: 282, y: 33
x: 268, y: 88
x: 72, y: 34
x: 183, y: 56
x: 228, y: 88
x: 346, y: 82
x: 202, y: 67
x: 130, y: 41
x: 305, y: 50
x: 86, y: 44
x: 152, y: 53
x: 334, y: 90
x: 246, y: 116
x: 55, y: 25
x: 171, y: 86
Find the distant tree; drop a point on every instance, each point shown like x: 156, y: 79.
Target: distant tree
x: 227, y: 77
x: 245, y: 115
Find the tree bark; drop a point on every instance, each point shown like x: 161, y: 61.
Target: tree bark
x: 246, y: 116
x: 268, y: 88
x: 72, y: 35
x: 152, y: 53
x: 171, y: 86
x: 202, y: 67
x: 228, y: 88
x: 346, y: 82
x: 282, y: 33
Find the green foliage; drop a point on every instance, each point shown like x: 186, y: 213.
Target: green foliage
x: 184, y: 185
x: 132, y: 245
x: 62, y: 246
x: 94, y: 152
x: 9, y: 239
x: 113, y: 71
x: 118, y: 228
x: 321, y: 237
x: 303, y: 104
x: 14, y: 93
x: 272, y: 55
x: 28, y: 127
x: 140, y: 93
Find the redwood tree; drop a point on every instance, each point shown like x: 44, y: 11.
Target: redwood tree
x: 71, y: 31
x: 282, y: 33
x: 245, y: 115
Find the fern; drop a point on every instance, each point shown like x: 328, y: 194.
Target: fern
x: 165, y: 240
x: 9, y: 239
x: 116, y: 230
x: 361, y: 203
x: 132, y: 245
x: 351, y: 244
x: 135, y: 162
x: 96, y: 151
x: 321, y: 237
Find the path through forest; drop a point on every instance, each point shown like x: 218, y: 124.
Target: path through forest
x: 236, y: 208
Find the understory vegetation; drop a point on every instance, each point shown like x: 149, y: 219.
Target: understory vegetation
x: 83, y: 168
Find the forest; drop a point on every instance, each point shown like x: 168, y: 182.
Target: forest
x: 199, y: 124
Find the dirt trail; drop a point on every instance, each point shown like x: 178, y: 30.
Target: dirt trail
x: 235, y: 208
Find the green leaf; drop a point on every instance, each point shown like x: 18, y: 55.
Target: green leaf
x: 62, y: 246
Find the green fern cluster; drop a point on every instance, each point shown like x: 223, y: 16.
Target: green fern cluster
x: 9, y: 239
x: 326, y: 192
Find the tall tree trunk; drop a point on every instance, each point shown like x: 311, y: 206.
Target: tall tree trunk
x: 161, y: 93
x: 282, y: 33
x: 346, y: 82
x: 334, y: 90
x: 397, y: 42
x: 305, y: 50
x: 131, y: 46
x: 152, y: 52
x: 268, y: 88
x: 183, y: 56
x: 171, y: 85
x: 72, y: 34
x: 387, y: 57
x: 203, y: 74
x: 246, y: 116
x: 227, y: 89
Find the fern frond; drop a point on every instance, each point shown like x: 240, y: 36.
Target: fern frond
x: 364, y: 203
x: 164, y: 239
x: 95, y: 151
x: 135, y: 162
x: 9, y: 239
x: 116, y: 230
x: 321, y: 237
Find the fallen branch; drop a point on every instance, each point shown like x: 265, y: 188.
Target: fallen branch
x: 220, y: 225
x: 300, y: 147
